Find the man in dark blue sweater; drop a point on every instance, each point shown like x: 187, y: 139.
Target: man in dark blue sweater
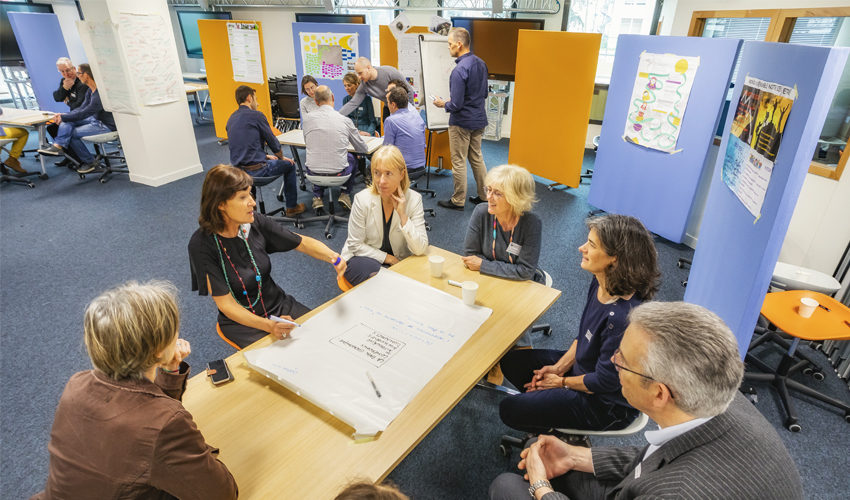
x: 248, y: 132
x: 88, y: 119
x: 72, y: 92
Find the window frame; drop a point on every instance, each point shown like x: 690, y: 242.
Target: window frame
x: 781, y: 26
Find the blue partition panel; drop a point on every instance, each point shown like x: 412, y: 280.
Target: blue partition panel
x: 736, y: 254
x: 655, y: 186
x: 364, y: 50
x: 41, y: 42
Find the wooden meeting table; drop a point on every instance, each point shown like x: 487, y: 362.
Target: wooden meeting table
x: 278, y: 445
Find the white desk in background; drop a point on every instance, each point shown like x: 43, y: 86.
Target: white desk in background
x: 31, y: 119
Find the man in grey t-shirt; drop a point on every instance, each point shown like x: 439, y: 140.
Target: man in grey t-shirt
x: 373, y: 82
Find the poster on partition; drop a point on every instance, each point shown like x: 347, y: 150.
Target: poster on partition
x: 245, y: 54
x: 754, y: 139
x: 410, y: 65
x: 328, y: 55
x: 659, y: 98
x: 100, y: 42
x: 155, y: 69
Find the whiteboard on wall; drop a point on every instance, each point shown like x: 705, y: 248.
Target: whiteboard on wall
x: 437, y: 66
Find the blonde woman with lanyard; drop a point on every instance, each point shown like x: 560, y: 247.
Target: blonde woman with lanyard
x: 503, y: 238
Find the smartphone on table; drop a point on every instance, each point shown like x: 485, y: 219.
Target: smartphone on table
x: 218, y: 372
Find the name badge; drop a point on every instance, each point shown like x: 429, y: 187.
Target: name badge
x: 588, y: 335
x: 514, y: 249
x: 637, y: 471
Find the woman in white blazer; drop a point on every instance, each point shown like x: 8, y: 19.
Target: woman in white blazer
x: 387, y: 222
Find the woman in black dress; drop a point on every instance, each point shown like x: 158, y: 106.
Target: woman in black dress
x: 229, y: 256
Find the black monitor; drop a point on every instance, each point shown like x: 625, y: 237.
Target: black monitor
x: 10, y: 53
x: 330, y: 18
x: 495, y: 41
x: 189, y: 26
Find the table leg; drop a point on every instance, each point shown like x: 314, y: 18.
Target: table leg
x: 299, y: 168
x: 42, y: 133
x: 199, y: 109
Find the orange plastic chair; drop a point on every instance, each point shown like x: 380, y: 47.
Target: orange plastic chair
x: 343, y: 284
x: 781, y: 309
x: 220, y: 334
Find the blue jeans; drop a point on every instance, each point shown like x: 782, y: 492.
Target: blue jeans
x: 540, y: 411
x: 319, y: 191
x: 70, y: 132
x: 286, y: 168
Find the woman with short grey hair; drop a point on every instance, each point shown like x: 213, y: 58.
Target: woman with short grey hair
x: 120, y: 429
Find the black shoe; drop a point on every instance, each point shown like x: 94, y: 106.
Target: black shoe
x: 451, y: 206
x: 88, y: 167
x: 50, y: 150
x: 63, y: 163
x: 476, y: 200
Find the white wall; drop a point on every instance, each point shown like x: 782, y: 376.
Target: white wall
x: 66, y: 11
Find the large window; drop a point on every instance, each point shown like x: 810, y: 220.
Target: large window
x: 611, y: 18
x: 825, y: 27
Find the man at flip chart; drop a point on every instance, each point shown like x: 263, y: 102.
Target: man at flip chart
x: 468, y: 89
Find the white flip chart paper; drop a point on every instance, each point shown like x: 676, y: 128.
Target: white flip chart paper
x: 399, y: 330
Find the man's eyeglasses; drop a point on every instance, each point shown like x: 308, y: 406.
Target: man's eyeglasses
x: 621, y: 367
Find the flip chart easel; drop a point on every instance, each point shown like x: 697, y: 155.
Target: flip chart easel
x: 625, y: 175
x: 40, y: 39
x: 736, y: 255
x: 216, y: 48
x: 548, y: 137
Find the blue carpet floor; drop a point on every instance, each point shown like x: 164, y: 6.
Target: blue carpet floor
x: 67, y: 240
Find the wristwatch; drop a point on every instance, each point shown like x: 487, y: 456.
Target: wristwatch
x: 564, y: 383
x: 539, y: 484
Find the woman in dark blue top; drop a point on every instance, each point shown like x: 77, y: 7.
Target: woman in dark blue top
x: 364, y: 116
x: 580, y: 388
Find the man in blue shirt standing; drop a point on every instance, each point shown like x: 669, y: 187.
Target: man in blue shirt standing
x: 468, y: 89
x: 248, y: 132
x: 405, y: 129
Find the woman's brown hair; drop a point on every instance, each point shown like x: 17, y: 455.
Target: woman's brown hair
x: 221, y: 184
x: 636, y: 268
x: 365, y: 490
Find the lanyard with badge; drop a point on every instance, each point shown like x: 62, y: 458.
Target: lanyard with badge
x: 513, y: 248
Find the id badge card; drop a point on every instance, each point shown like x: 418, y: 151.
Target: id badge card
x: 514, y: 249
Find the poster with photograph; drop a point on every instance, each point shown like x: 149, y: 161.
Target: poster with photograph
x: 440, y: 25
x: 659, y: 98
x: 754, y: 139
x: 328, y: 55
x: 399, y: 25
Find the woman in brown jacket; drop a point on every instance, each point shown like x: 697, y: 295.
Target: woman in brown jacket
x: 120, y: 430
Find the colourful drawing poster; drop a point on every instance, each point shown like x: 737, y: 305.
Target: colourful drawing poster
x: 754, y: 138
x: 659, y: 98
x: 328, y: 55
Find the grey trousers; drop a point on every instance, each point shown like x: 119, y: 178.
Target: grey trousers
x: 466, y: 144
x: 572, y: 485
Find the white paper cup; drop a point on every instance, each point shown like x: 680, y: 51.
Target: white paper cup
x: 436, y: 262
x: 807, y: 307
x: 470, y: 289
x: 803, y: 276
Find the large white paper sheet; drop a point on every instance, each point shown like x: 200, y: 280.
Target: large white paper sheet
x: 115, y: 89
x: 245, y: 54
x: 410, y: 64
x: 754, y: 139
x: 659, y: 98
x: 155, y: 69
x: 399, y: 330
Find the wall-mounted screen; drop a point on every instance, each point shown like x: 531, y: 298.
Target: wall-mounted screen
x: 495, y: 41
x: 10, y: 53
x: 330, y: 18
x: 189, y: 27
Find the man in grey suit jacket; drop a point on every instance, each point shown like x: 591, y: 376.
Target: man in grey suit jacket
x: 679, y: 364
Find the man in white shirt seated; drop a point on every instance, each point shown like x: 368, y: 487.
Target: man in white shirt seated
x: 680, y: 365
x: 327, y: 135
